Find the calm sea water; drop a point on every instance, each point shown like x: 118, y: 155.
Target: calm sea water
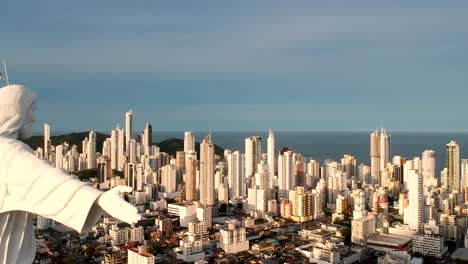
x: 332, y: 145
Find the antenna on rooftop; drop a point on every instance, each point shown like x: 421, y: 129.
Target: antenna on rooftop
x: 6, y: 73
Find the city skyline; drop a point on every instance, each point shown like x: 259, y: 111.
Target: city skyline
x: 311, y: 66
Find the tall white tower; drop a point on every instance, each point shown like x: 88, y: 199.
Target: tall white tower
x: 285, y: 173
x: 428, y: 168
x: 375, y: 157
x: 253, y: 155
x: 147, y: 139
x: 271, y: 152
x: 414, y: 212
x: 114, y: 149
x: 46, y: 141
x: 464, y: 176
x: 117, y: 149
x: 207, y: 172
x: 236, y: 178
x: 453, y: 165
x: 91, y: 151
x: 384, y: 148
x: 189, y: 141
x: 128, y: 128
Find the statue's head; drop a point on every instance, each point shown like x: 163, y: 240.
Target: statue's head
x: 17, y: 107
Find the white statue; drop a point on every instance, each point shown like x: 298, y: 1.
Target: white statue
x: 30, y: 186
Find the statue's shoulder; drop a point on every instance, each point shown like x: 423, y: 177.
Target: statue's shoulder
x: 11, y: 144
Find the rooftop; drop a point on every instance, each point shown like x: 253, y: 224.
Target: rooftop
x: 388, y: 240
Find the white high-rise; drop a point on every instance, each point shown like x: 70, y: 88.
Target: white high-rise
x: 464, y: 175
x: 253, y: 155
x: 128, y: 128
x: 453, y: 166
x: 147, y: 139
x: 235, y: 162
x: 384, y: 148
x: 189, y: 141
x: 348, y: 165
x: 285, y: 173
x: 207, y: 172
x: 428, y: 168
x: 364, y: 173
x: 414, y: 212
x: 375, y: 157
x: 271, y: 152
x: 132, y: 151
x: 91, y: 151
x: 114, y: 149
x: 46, y: 141
x: 117, y: 149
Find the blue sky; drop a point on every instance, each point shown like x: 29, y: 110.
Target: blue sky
x: 242, y: 65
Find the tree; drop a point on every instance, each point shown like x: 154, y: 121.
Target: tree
x: 347, y: 235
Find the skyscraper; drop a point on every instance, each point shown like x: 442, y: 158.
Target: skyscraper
x: 189, y: 141
x: 46, y: 141
x: 148, y: 139
x: 384, y: 148
x: 428, y: 168
x: 285, y: 173
x: 91, y: 151
x: 302, y: 209
x: 271, y: 152
x: 114, y: 149
x: 464, y: 176
x: 128, y: 128
x: 191, y: 178
x: 375, y: 157
x: 414, y: 213
x: 235, y: 173
x: 207, y: 172
x: 117, y: 149
x: 453, y: 166
x: 132, y: 151
x: 253, y: 155
x: 348, y: 165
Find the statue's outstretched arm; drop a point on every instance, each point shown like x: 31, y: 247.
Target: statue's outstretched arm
x: 35, y: 186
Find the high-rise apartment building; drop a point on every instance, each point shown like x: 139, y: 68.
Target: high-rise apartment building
x: 235, y: 173
x: 91, y: 155
x: 302, y: 204
x: 286, y: 180
x: 233, y: 238
x: 384, y: 148
x: 253, y: 155
x: 46, y: 141
x: 375, y: 157
x: 464, y: 178
x: 128, y: 128
x: 271, y: 152
x: 348, y: 165
x: 428, y: 168
x: 189, y: 141
x: 147, y: 139
x: 191, y: 179
x: 414, y: 212
x: 364, y: 173
x: 117, y: 149
x: 362, y: 228
x: 453, y: 166
x: 207, y: 172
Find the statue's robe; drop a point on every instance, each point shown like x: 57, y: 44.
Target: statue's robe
x: 30, y: 186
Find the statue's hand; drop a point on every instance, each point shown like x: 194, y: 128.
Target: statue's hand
x: 116, y: 206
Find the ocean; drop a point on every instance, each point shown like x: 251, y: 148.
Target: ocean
x: 332, y: 145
